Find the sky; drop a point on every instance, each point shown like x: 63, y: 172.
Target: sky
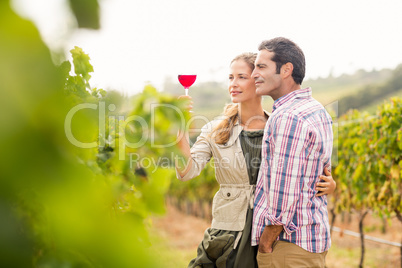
x: 144, y: 42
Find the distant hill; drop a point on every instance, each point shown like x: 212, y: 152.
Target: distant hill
x: 373, y: 93
x: 333, y: 89
x: 362, y: 90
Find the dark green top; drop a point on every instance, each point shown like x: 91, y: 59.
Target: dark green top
x: 251, y: 143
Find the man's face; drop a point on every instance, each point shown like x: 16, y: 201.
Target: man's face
x: 267, y: 81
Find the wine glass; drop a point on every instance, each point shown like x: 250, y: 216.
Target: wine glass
x: 187, y: 81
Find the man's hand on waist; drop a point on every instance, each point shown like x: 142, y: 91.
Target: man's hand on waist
x: 268, y: 237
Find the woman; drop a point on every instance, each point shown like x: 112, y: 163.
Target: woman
x: 235, y: 144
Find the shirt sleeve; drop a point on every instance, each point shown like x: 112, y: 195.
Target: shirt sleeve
x: 201, y: 153
x: 287, y: 154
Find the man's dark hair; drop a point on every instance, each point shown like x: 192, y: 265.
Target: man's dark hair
x: 286, y: 51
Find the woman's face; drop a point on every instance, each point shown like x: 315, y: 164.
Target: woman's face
x: 241, y: 84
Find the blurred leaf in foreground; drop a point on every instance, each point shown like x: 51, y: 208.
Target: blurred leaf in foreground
x: 54, y: 210
x: 86, y: 12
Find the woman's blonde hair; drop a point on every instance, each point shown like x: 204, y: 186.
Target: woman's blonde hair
x: 221, y: 133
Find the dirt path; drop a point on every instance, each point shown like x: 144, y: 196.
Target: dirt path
x: 183, y: 231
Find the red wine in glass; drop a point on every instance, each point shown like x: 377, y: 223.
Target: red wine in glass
x: 187, y: 81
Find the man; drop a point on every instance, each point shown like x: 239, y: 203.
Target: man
x: 290, y: 222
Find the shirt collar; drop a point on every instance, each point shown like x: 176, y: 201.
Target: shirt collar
x: 297, y: 94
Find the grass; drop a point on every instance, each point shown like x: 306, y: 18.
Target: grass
x: 172, y: 238
x: 167, y: 256
x: 376, y: 256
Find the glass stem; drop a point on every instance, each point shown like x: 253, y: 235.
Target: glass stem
x: 186, y: 89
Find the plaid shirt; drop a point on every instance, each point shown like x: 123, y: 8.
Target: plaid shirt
x: 297, y: 146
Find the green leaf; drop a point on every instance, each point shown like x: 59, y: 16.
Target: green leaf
x: 82, y: 66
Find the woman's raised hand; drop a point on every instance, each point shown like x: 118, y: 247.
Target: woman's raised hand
x: 190, y: 102
x: 327, y: 186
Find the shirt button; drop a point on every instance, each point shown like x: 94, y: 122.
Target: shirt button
x: 228, y: 194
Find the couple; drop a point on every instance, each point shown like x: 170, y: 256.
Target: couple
x: 271, y: 208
